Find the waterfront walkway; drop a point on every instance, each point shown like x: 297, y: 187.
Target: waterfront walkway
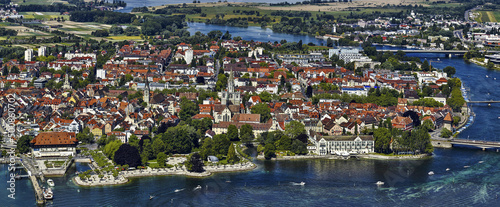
x: 124, y: 176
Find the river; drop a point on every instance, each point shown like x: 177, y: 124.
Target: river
x: 328, y: 182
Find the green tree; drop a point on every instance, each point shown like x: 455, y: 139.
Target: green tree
x: 425, y: 66
x: 133, y: 141
x: 111, y: 148
x: 428, y: 125
x: 161, y: 158
x: 269, y: 151
x: 298, y: 147
x: 207, y: 148
x: 232, y: 133
x: 188, y: 109
x: 449, y: 70
x: 231, y: 155
x: 294, y: 129
x: 264, y: 111
x: 220, y: 145
x: 445, y: 133
x: 23, y: 144
x: 194, y: 163
x: 382, y: 138
x: 221, y: 82
x: 147, y: 151
x: 158, y: 146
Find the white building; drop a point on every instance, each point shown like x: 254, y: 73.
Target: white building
x: 356, y: 90
x: 188, y: 57
x: 42, y: 51
x: 70, y: 56
x: 101, y: 73
x: 342, y: 145
x: 28, y: 54
x: 347, y: 54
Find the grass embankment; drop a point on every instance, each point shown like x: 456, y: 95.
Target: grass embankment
x: 488, y: 16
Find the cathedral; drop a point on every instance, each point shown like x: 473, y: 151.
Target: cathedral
x: 229, y: 96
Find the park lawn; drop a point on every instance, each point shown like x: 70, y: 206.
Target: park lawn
x: 124, y: 37
x: 3, y: 38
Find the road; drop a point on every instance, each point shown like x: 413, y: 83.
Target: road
x: 466, y: 14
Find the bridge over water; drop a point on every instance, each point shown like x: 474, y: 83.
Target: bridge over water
x: 476, y: 143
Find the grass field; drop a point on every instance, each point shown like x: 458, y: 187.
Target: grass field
x: 124, y: 37
x: 488, y: 16
x: 229, y: 12
x: 43, y: 15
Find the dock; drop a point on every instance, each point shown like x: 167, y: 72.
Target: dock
x: 40, y: 200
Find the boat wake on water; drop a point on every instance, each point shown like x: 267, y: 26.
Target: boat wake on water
x: 179, y: 190
x: 301, y: 183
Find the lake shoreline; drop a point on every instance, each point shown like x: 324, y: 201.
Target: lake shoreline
x: 126, y: 176
x: 363, y: 156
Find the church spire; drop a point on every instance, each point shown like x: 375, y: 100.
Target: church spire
x: 146, y: 90
x: 66, y: 85
x: 230, y: 82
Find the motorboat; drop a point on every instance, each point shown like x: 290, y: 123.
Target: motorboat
x: 466, y: 166
x: 379, y: 183
x: 447, y: 169
x: 197, y: 188
x: 151, y: 197
x: 178, y: 190
x: 487, y: 76
x: 50, y: 182
x: 431, y: 173
x: 301, y: 183
x: 481, y: 161
x: 48, y: 194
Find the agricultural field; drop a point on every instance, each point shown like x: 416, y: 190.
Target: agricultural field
x: 78, y: 28
x: 25, y: 31
x: 46, y: 16
x: 121, y: 38
x: 231, y: 12
x: 488, y: 16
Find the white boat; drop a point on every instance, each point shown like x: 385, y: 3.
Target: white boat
x: 438, y: 59
x: 379, y: 183
x: 481, y: 161
x: 197, y: 188
x: 487, y: 76
x: 466, y: 166
x: 50, y: 182
x: 178, y: 190
x: 447, y: 169
x: 48, y: 194
x: 431, y: 173
x: 151, y: 197
x: 301, y: 183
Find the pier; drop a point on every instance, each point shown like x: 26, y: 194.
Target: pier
x: 38, y: 190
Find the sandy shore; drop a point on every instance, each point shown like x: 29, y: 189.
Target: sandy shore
x: 124, y: 176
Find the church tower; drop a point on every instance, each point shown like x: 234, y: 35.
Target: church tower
x: 146, y: 91
x: 230, y: 82
x: 66, y: 85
